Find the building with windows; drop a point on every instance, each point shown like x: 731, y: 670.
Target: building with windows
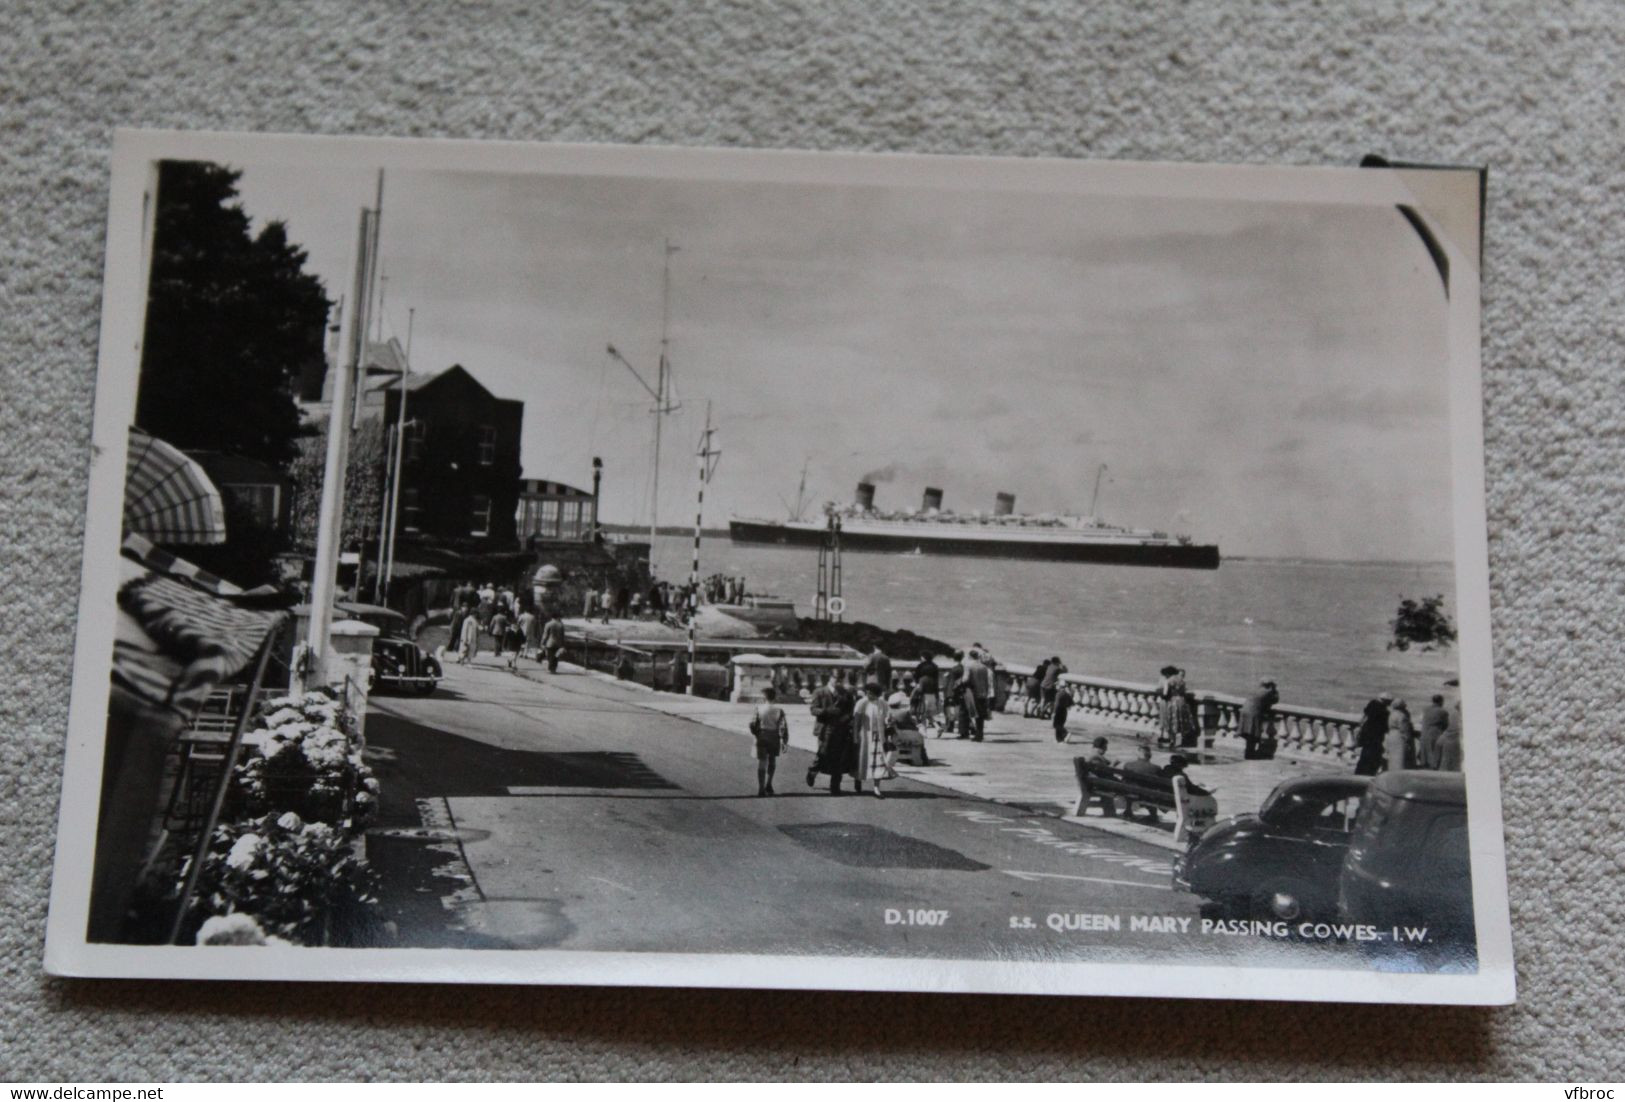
x: 256, y: 492
x: 459, y: 457
x: 551, y: 512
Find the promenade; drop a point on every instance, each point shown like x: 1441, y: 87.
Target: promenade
x: 1018, y: 763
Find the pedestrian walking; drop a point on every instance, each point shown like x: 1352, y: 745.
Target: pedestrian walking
x: 1372, y: 735
x: 607, y: 601
x: 497, y: 625
x: 1063, y: 705
x: 1049, y: 684
x: 530, y: 626
x: 553, y: 642
x: 772, y: 731
x: 589, y: 603
x: 831, y: 706
x: 927, y: 699
x: 871, y: 729
x: 468, y: 643
x: 1449, y: 748
x: 979, y: 679
x: 1254, y: 724
x: 952, y: 689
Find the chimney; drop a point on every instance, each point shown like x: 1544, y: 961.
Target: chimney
x: 866, y: 495
x: 932, y: 500
x: 1004, y: 504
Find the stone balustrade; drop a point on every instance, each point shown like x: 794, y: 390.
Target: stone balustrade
x: 1297, y: 728
x: 1121, y: 703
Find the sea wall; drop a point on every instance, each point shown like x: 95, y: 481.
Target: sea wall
x: 1130, y: 705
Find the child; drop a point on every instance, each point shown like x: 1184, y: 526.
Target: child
x: 1063, y: 703
x: 772, y: 731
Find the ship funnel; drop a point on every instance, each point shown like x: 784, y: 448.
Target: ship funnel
x: 1004, y: 504
x: 866, y: 495
x: 931, y: 500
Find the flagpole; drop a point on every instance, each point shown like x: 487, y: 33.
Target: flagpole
x: 330, y: 522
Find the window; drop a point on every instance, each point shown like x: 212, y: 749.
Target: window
x: 480, y: 520
x: 488, y: 445
x: 261, y: 501
x: 549, y: 526
x: 411, y: 510
x: 417, y: 432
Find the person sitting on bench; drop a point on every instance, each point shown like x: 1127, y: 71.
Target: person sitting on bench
x: 1146, y: 767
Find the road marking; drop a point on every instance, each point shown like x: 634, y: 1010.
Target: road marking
x: 1091, y: 879
x: 587, y: 790
x: 1048, y: 838
x: 613, y: 884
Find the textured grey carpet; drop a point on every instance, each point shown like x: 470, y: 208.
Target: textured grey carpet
x: 1532, y: 90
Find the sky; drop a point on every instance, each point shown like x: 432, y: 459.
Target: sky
x: 1270, y: 377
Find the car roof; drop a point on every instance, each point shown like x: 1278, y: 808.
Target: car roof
x: 355, y: 608
x: 1423, y: 784
x: 1342, y: 786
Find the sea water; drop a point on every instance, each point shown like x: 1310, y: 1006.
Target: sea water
x: 1320, y: 630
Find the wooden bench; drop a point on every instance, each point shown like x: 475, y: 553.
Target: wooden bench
x: 1193, y: 806
x: 1109, y: 784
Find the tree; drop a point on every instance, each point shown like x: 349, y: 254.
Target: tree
x: 232, y: 320
x: 363, y: 486
x: 1423, y: 624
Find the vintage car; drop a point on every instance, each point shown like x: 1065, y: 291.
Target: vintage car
x: 1284, y: 862
x: 398, y: 663
x: 1407, y: 864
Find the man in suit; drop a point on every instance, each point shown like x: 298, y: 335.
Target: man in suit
x: 1255, y: 718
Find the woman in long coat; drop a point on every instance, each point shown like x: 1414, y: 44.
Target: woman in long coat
x: 831, y: 706
x: 870, y: 718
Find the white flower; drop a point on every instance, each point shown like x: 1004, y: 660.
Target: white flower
x: 284, y: 716
x: 290, y: 821
x: 243, y: 851
x: 231, y: 929
x: 363, y: 798
x: 318, y: 832
x: 371, y: 785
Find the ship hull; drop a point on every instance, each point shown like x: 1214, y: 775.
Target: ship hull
x: 1188, y: 556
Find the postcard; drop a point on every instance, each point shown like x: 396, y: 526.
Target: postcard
x: 568, y: 564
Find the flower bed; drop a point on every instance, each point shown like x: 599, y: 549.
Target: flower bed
x: 286, y: 862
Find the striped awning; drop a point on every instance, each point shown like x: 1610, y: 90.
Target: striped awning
x: 168, y: 497
x: 174, y: 641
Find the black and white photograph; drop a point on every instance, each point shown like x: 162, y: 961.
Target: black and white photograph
x: 633, y: 566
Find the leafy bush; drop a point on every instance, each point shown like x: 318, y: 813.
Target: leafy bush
x: 1423, y: 624
x: 295, y: 879
x: 308, y: 765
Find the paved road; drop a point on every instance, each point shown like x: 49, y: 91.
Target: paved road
x: 559, y: 813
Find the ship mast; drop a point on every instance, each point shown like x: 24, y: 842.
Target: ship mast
x: 660, y: 392
x: 1095, y: 498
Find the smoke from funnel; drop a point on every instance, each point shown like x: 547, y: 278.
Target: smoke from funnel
x: 884, y: 474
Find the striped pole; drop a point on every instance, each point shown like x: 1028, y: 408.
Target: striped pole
x: 705, y: 456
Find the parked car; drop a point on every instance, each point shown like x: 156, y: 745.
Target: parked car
x: 1284, y: 862
x: 398, y: 663
x: 1407, y: 864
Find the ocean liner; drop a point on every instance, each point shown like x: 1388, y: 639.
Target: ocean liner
x: 1003, y: 534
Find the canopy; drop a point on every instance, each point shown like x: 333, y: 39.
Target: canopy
x: 168, y: 497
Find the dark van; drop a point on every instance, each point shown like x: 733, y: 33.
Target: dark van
x: 1407, y: 862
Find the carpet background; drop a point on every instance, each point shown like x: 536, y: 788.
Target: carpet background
x: 1532, y: 90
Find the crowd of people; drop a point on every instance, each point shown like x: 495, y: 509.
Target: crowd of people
x: 509, y: 621
x: 608, y: 598
x: 1388, y: 738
